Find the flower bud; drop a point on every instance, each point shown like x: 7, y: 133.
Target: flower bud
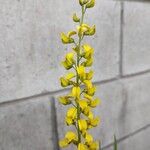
x: 90, y: 4
x: 82, y: 2
x: 75, y: 18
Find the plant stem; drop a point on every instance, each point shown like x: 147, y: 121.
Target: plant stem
x: 77, y: 79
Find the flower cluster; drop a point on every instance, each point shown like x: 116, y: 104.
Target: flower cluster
x: 81, y: 97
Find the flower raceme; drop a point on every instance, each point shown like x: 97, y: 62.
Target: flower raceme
x: 80, y: 99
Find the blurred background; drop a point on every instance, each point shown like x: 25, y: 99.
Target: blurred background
x: 30, y: 55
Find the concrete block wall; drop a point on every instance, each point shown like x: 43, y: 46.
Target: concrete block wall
x: 30, y: 51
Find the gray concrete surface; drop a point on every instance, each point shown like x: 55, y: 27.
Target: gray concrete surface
x: 30, y: 55
x: 26, y: 125
x: 136, y: 56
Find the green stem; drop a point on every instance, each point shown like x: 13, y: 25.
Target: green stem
x: 77, y: 79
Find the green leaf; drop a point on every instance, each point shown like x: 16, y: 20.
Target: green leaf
x: 115, y: 143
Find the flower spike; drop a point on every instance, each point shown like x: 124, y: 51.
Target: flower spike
x: 80, y: 100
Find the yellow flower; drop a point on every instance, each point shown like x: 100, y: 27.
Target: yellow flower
x: 88, y: 62
x: 88, y: 138
x: 88, y: 84
x: 70, y: 58
x: 63, y: 143
x: 81, y: 72
x: 94, y: 103
x: 82, y: 125
x: 88, y: 51
x: 69, y: 61
x: 85, y: 108
x: 93, y: 145
x: 64, y: 82
x: 88, y: 97
x: 89, y: 75
x: 71, y: 115
x: 71, y: 33
x: 80, y: 114
x: 64, y: 100
x: 91, y: 91
x: 86, y: 111
x: 82, y: 147
x: 82, y: 29
x: 93, y: 122
x: 70, y: 76
x: 91, y: 31
x: 65, y: 39
x: 76, y: 91
x: 90, y: 115
x: 90, y: 4
x: 70, y: 136
x: 83, y: 104
x: 85, y: 29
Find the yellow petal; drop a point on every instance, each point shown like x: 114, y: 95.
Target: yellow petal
x: 70, y: 58
x: 86, y: 111
x: 81, y: 72
x: 63, y: 143
x: 83, y: 104
x: 69, y: 121
x: 71, y: 115
x: 91, y: 91
x: 67, y: 65
x: 88, y: 84
x: 90, y: 116
x: 88, y: 138
x: 82, y: 124
x: 82, y: 29
x: 88, y: 62
x: 88, y: 97
x: 89, y: 75
x: 82, y: 147
x: 88, y: 51
x: 65, y: 39
x: 91, y: 31
x: 71, y: 33
x: 76, y: 91
x: 70, y: 136
x: 85, y: 25
x: 93, y: 145
x: 94, y: 122
x: 70, y: 75
x: 64, y: 100
x: 64, y: 82
x: 72, y: 112
x: 69, y: 61
x: 94, y: 103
